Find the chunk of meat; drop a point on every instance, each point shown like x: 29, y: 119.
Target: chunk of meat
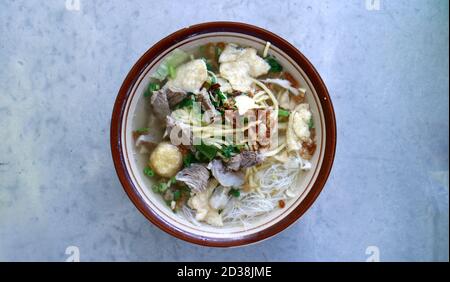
x: 174, y: 97
x: 226, y: 177
x: 210, y: 111
x: 245, y: 159
x: 195, y: 177
x: 160, y: 104
x: 205, y: 100
x: 178, y: 132
x: 146, y: 142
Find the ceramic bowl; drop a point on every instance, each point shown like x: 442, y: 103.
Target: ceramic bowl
x: 131, y: 112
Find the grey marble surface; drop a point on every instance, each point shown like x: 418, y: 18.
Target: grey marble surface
x: 387, y: 73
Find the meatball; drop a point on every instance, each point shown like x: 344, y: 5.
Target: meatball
x: 166, y: 160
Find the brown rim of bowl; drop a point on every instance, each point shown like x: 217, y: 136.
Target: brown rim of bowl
x: 204, y: 28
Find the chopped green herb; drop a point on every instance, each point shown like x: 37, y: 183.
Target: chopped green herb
x: 172, y: 71
x: 177, y: 195
x: 240, y: 147
x: 173, y: 180
x: 163, y: 187
x: 235, y: 192
x: 229, y: 150
x: 216, y: 104
x: 311, y: 123
x: 209, y: 152
x: 172, y: 61
x: 160, y: 188
x: 274, y: 64
x: 283, y: 113
x: 213, y: 79
x: 218, y: 52
x: 149, y: 172
x: 208, y: 64
x: 152, y: 87
x: 222, y: 96
x: 188, y: 159
x: 143, y: 130
x: 186, y: 102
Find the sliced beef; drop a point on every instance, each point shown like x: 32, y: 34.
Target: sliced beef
x: 225, y: 176
x: 160, y: 104
x: 146, y: 142
x: 174, y: 97
x: 203, y: 98
x: 244, y: 160
x: 178, y: 132
x: 195, y: 177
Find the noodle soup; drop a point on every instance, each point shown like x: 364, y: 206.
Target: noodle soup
x: 228, y: 135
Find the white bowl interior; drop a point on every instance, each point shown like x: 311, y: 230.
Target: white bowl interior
x: 136, y: 116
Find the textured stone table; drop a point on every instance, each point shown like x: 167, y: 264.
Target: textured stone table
x: 386, y: 67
